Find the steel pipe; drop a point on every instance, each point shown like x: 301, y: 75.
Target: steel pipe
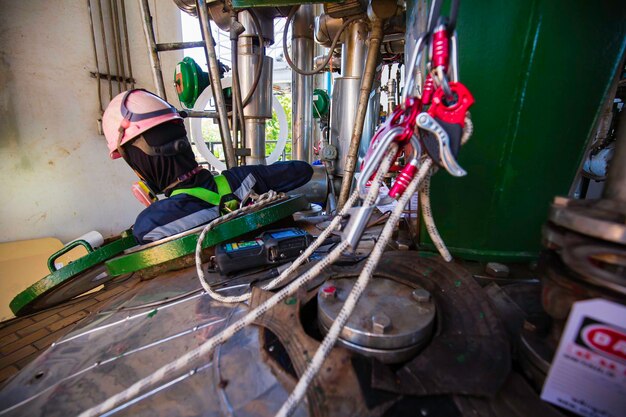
x: 366, y: 86
x: 615, y: 188
x: 216, y: 83
x: 126, y: 44
x: 95, y: 56
x: 174, y: 46
x: 302, y: 92
x: 117, y: 36
x: 345, y: 94
x: 155, y: 63
x: 259, y: 108
x: 104, y: 47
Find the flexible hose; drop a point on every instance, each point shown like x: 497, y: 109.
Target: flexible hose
x: 314, y: 71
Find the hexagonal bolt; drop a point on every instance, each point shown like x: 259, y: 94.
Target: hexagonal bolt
x: 329, y: 292
x: 381, y: 323
x: 421, y: 295
x: 496, y: 269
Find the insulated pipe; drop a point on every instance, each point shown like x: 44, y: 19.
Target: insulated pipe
x: 302, y: 116
x: 345, y: 94
x: 366, y: 86
x: 216, y: 83
x: 148, y: 31
x: 252, y: 56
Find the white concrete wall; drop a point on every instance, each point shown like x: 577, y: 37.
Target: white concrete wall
x: 56, y: 178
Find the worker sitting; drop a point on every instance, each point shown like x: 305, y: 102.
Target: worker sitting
x: 150, y: 135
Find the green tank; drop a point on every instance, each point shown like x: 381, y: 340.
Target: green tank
x: 539, y: 71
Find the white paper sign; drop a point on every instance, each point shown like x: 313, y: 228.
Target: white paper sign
x: 588, y: 373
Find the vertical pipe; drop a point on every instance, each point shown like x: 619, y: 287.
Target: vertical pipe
x: 251, y: 57
x: 104, y: 46
x: 345, y: 95
x: 216, y: 83
x: 615, y: 187
x: 366, y: 86
x: 95, y: 56
x: 302, y: 91
x: 118, y: 41
x: 155, y: 63
x: 126, y: 44
x: 115, y: 48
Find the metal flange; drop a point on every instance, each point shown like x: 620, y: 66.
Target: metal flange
x: 602, y: 219
x: 178, y: 246
x: 70, y: 281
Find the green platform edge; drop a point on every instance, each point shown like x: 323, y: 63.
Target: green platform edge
x: 186, y: 245
x: 540, y: 71
x: 78, y: 266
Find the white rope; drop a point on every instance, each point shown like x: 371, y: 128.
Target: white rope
x: 424, y: 198
x: 333, y: 334
x: 276, y: 281
x: 423, y: 176
x: 429, y: 220
x: 173, y: 368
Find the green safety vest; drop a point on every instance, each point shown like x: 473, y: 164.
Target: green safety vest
x: 212, y: 197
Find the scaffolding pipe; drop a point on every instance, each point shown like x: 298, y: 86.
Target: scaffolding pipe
x: 155, y: 63
x: 216, y: 83
x: 366, y: 87
x: 174, y: 46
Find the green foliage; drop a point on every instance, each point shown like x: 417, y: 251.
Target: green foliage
x: 272, y: 128
x: 211, y: 132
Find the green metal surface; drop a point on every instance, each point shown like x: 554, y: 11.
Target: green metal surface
x: 65, y: 249
x: 190, y: 81
x: 186, y: 245
x: 321, y: 103
x: 539, y: 71
x: 69, y: 281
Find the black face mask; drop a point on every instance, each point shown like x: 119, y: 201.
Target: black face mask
x: 171, y: 160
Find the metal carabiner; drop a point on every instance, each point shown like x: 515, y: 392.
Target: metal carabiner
x: 408, y: 172
x: 409, y: 88
x: 453, y: 69
x: 372, y: 161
